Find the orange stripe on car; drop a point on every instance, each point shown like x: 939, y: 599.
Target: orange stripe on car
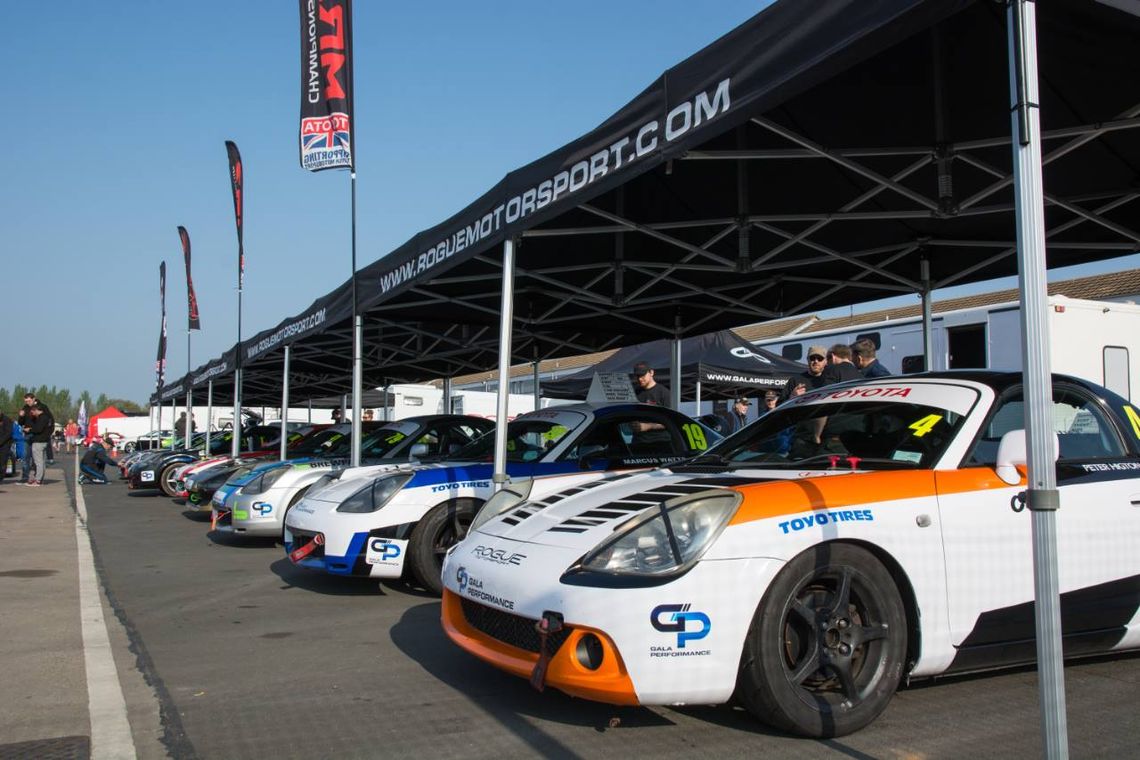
x: 610, y: 683
x: 763, y: 501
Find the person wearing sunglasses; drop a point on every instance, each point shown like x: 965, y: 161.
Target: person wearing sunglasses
x: 807, y: 381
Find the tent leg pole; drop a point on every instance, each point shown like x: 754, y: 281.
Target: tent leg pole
x: 697, y: 413
x: 537, y: 389
x: 445, y: 404
x: 357, y: 375
x: 209, y: 413
x: 506, y: 316
x: 1043, y: 500
x: 285, y: 405
x: 675, y: 372
x: 927, y: 318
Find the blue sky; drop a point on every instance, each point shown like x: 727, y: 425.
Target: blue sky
x: 116, y: 123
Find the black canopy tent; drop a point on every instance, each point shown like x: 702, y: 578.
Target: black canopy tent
x: 818, y: 155
x: 723, y: 363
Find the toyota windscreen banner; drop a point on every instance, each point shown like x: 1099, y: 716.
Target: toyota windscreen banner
x: 326, y: 84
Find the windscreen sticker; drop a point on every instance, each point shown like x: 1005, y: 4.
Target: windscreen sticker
x: 1134, y: 418
x: 695, y: 436
x: 956, y: 398
x: 925, y: 425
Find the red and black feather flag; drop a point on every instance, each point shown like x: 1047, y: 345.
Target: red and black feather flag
x: 237, y: 178
x: 193, y: 323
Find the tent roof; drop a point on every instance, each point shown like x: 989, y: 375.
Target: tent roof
x: 810, y: 158
x: 725, y: 364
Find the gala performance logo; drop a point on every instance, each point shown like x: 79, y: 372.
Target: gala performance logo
x: 326, y: 84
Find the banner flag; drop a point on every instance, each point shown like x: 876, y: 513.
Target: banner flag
x: 326, y: 85
x: 236, y: 180
x: 81, y: 419
x: 191, y: 299
x: 160, y: 362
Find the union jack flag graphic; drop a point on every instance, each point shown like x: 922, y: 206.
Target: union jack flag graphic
x: 326, y: 141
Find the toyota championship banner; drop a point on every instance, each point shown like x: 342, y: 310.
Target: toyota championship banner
x: 326, y: 84
x: 236, y: 179
x: 191, y: 299
x: 160, y: 362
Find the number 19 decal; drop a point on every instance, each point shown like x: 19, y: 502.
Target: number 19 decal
x: 695, y: 436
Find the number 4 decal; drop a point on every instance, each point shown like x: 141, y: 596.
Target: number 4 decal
x: 925, y: 425
x: 1134, y: 418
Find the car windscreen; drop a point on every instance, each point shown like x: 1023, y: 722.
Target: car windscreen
x: 846, y: 435
x: 528, y: 438
x: 379, y: 443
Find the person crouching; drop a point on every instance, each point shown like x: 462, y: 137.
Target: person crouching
x: 94, y: 459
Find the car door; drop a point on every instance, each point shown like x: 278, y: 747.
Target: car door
x: 989, y: 546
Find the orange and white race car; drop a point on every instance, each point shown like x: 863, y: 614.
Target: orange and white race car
x: 855, y: 536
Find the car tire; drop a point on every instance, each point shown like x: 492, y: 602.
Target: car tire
x: 441, y: 528
x: 827, y: 646
x: 166, y: 480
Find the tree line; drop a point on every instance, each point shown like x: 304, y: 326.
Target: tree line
x: 63, y: 406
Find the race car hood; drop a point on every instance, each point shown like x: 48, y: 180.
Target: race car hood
x: 583, y: 516
x: 352, y: 479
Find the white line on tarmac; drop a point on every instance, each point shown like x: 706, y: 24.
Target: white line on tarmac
x: 110, y: 731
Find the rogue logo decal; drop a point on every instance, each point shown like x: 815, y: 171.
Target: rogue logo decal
x: 500, y: 556
x: 679, y: 619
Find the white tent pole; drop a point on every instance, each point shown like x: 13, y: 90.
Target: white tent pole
x: 927, y: 317
x: 537, y: 390
x: 285, y: 405
x: 209, y: 412
x: 675, y: 365
x: 446, y: 396
x: 1042, y: 496
x: 506, y: 315
x: 357, y: 375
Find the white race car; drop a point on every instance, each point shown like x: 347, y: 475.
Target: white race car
x: 856, y: 535
x: 254, y: 502
x: 380, y: 521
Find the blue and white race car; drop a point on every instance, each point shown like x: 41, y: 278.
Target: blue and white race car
x: 382, y: 521
x: 255, y: 500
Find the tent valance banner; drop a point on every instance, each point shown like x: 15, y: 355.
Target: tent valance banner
x: 160, y: 361
x: 193, y: 323
x: 326, y: 137
x: 724, y: 363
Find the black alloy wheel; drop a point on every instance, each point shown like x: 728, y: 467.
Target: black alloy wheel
x: 441, y: 528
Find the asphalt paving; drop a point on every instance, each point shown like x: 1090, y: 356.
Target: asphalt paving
x: 243, y: 655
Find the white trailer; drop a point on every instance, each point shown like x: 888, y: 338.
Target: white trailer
x: 1095, y: 340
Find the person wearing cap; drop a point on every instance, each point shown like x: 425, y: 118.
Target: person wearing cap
x: 771, y: 399
x: 94, y: 459
x: 810, y: 380
x: 738, y: 415
x: 647, y: 389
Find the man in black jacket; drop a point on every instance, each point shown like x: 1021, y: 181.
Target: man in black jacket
x: 5, y: 444
x: 94, y: 459
x: 39, y: 433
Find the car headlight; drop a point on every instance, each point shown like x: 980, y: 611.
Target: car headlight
x: 668, y: 540
x: 375, y: 494
x: 263, y: 482
x: 508, y: 497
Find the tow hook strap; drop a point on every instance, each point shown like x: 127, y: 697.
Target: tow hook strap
x: 551, y: 622
x: 215, y: 515
x: 301, y: 552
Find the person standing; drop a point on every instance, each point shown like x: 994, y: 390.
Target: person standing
x: 737, y: 416
x: 863, y: 355
x: 5, y: 445
x: 646, y: 387
x: 812, y: 379
x: 20, y: 450
x: 39, y: 434
x: 771, y: 400
x: 840, y: 368
x: 71, y: 435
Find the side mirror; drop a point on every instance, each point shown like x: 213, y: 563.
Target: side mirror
x: 1012, y: 451
x: 418, y: 451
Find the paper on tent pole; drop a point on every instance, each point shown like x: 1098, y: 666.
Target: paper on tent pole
x: 611, y: 387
